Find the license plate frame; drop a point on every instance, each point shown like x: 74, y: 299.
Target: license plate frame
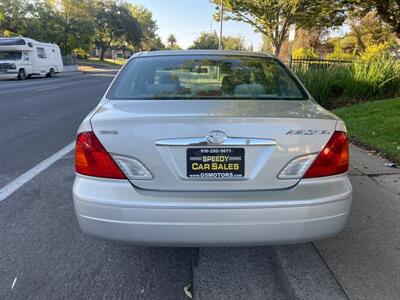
x: 215, y: 163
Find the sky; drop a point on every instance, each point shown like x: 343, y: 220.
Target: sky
x: 186, y: 19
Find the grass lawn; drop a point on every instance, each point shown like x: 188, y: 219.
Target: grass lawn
x: 375, y: 125
x: 118, y: 61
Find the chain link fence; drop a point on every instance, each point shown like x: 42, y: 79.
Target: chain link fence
x: 69, y: 60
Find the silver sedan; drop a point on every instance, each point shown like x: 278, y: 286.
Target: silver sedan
x: 196, y: 148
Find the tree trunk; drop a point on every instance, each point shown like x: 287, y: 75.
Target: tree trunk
x: 276, y: 46
x: 102, y: 52
x: 104, y: 49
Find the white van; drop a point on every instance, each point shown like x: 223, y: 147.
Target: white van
x: 23, y: 57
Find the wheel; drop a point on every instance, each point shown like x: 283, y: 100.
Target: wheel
x: 51, y: 73
x: 21, y: 74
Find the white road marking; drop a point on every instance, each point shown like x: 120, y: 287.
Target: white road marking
x: 104, y: 75
x: 29, y: 175
x: 15, y: 280
x: 47, y: 88
x: 37, y: 83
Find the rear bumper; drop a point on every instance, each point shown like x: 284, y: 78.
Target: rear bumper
x: 112, y: 209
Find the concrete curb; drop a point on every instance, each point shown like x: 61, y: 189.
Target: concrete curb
x: 368, y: 163
x: 305, y: 275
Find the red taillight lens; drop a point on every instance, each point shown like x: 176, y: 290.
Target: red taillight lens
x: 92, y: 159
x: 333, y: 159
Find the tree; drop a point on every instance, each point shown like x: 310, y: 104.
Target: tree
x: 367, y: 30
x: 309, y: 43
x: 76, y: 24
x: 44, y: 24
x: 69, y: 23
x: 274, y: 17
x: 206, y: 41
x: 233, y: 43
x: 65, y: 22
x: 13, y: 17
x: 304, y: 53
x: 171, y: 41
x: 210, y: 41
x: 150, y: 39
x: 338, y: 50
x: 367, y: 36
x: 155, y: 44
x: 114, y: 23
x: 313, y: 38
x: 388, y: 11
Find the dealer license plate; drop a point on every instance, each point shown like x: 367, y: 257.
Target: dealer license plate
x: 215, y: 162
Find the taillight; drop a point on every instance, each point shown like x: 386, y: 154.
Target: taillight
x: 92, y: 159
x: 333, y: 159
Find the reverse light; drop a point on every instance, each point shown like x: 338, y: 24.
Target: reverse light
x: 92, y: 159
x: 333, y: 159
x: 296, y: 168
x: 132, y: 168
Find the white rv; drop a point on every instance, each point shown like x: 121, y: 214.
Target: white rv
x: 23, y: 57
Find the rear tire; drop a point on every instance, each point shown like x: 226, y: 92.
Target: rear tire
x: 51, y: 73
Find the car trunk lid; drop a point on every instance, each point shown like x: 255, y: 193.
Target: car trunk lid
x: 165, y: 134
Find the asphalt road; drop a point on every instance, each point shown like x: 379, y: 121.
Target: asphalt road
x: 43, y: 254
x: 40, y: 116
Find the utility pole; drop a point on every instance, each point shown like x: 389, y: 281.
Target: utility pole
x: 292, y: 36
x: 220, y: 46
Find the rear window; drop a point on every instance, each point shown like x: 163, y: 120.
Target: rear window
x: 206, y: 77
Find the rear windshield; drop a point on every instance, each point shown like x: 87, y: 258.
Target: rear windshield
x: 206, y: 77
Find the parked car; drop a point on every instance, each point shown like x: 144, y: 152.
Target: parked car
x: 238, y: 155
x: 23, y: 57
x: 118, y: 56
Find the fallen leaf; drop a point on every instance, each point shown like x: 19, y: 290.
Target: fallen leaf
x: 187, y: 291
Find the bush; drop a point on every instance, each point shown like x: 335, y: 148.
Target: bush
x: 336, y: 84
x: 339, y: 54
x: 81, y: 54
x: 304, y: 53
x: 375, y: 51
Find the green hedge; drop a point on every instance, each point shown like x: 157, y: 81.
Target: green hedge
x: 337, y: 85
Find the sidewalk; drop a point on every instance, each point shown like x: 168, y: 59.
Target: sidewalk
x: 360, y: 263
x: 88, y: 69
x: 365, y: 257
x: 97, y: 66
